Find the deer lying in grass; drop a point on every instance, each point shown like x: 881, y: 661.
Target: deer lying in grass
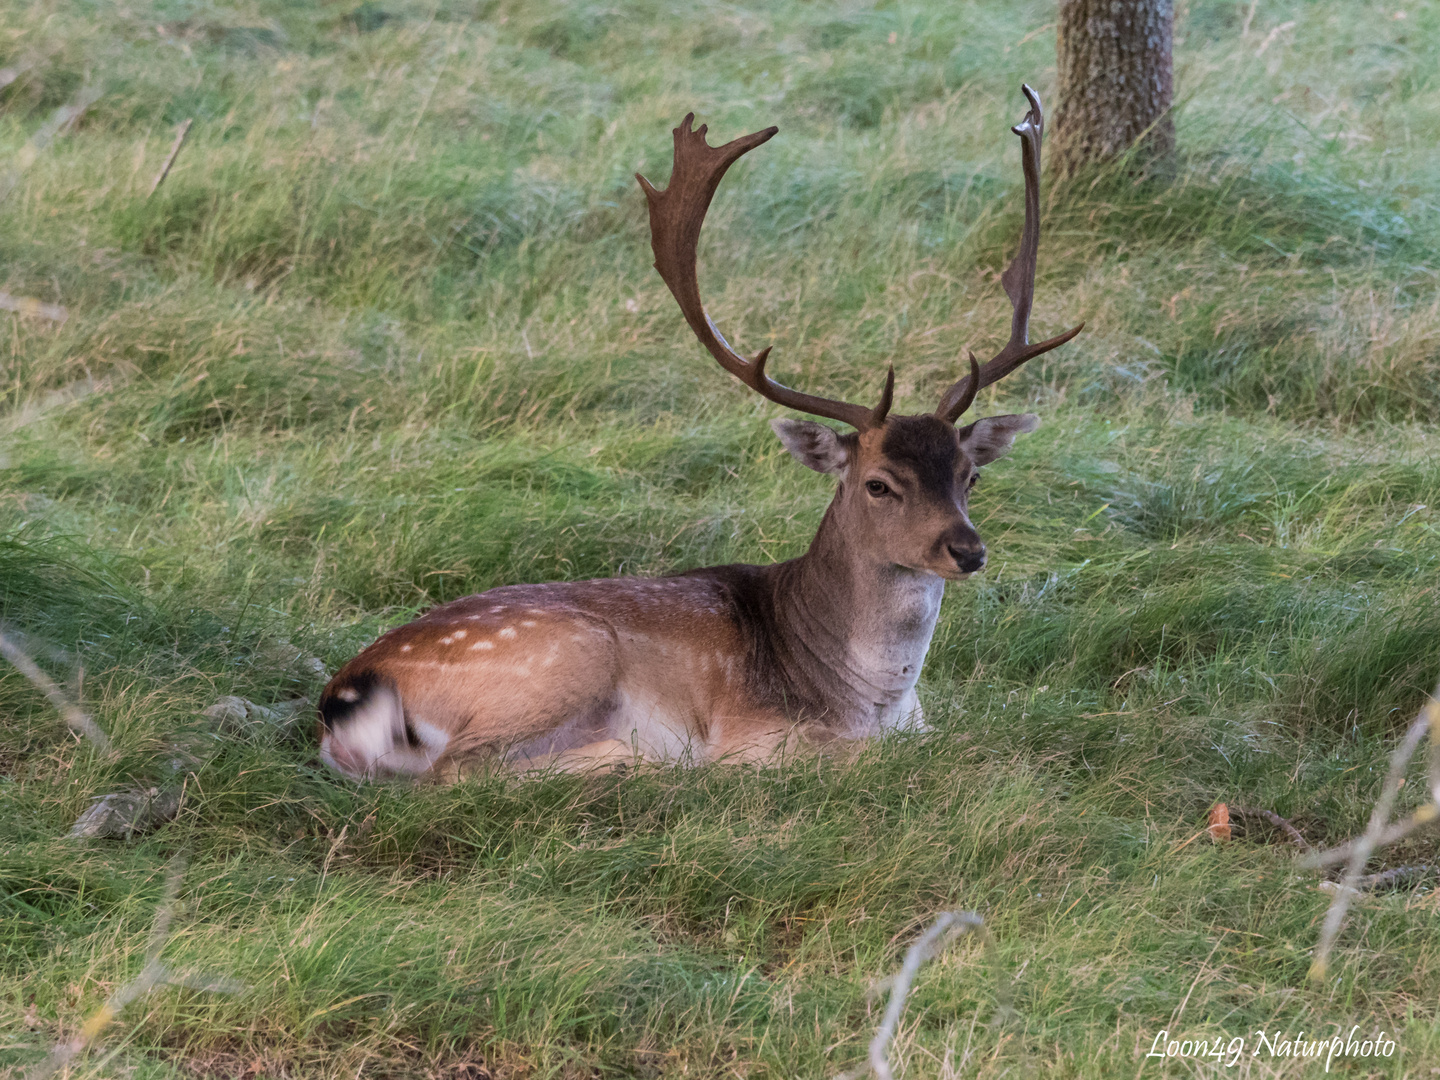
x: 729, y: 661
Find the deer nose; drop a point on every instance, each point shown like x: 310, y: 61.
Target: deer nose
x: 968, y: 559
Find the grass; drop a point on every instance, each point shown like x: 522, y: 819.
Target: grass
x: 388, y: 335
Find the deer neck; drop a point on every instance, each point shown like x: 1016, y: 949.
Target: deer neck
x: 856, y: 629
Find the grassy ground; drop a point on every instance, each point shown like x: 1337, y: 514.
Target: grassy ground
x: 389, y: 334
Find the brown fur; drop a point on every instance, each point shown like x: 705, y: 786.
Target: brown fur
x: 726, y: 662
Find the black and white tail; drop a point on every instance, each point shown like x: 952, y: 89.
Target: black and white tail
x: 365, y: 732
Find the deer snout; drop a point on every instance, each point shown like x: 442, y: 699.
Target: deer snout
x: 969, y: 558
x: 964, y: 546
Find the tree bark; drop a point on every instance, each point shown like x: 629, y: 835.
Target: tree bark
x: 1116, y: 82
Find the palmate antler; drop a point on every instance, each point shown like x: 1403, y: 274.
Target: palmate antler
x: 1018, y: 279
x: 678, y: 213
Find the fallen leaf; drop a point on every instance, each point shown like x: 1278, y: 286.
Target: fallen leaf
x: 1219, y: 826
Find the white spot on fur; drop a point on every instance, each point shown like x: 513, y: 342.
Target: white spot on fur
x: 527, y: 622
x: 445, y: 641
x: 405, y: 648
x: 482, y: 645
x: 508, y: 633
x: 459, y: 635
x: 349, y: 694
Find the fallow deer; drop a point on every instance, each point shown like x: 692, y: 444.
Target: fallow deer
x: 727, y: 662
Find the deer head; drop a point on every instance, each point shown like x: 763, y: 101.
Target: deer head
x: 904, y: 481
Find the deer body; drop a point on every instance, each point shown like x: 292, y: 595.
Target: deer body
x: 722, y: 663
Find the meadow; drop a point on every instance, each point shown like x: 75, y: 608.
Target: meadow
x: 389, y: 334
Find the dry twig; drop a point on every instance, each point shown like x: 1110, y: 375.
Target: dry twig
x: 1371, y: 882
x: 152, y: 977
x: 1357, y: 852
x: 1274, y: 819
x: 77, y: 720
x: 170, y: 158
x: 948, y: 926
x: 1389, y: 877
x: 61, y: 120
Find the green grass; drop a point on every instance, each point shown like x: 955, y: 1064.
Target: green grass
x: 389, y: 335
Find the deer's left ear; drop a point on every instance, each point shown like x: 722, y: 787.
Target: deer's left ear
x: 991, y: 438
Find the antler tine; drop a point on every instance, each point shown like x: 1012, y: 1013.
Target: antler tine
x: 971, y: 385
x: 1018, y: 279
x: 676, y: 217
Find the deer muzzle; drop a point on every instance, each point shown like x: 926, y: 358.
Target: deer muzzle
x: 965, y: 548
x: 968, y: 559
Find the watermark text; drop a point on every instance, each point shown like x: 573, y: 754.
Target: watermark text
x: 1227, y: 1051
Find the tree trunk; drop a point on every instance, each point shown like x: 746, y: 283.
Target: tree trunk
x: 1116, y: 82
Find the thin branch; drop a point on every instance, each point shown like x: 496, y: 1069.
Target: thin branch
x: 152, y: 977
x: 61, y: 120
x: 170, y: 158
x: 1432, y: 707
x: 38, y: 646
x: 948, y: 926
x: 1427, y: 814
x: 1276, y: 820
x: 1377, y: 832
x: 1389, y: 877
x: 1371, y: 882
x: 78, y: 721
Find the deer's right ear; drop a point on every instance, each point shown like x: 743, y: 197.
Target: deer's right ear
x: 813, y: 445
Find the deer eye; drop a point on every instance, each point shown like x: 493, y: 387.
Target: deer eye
x: 877, y: 488
x: 974, y: 479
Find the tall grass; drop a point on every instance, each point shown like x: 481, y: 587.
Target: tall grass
x: 388, y: 334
